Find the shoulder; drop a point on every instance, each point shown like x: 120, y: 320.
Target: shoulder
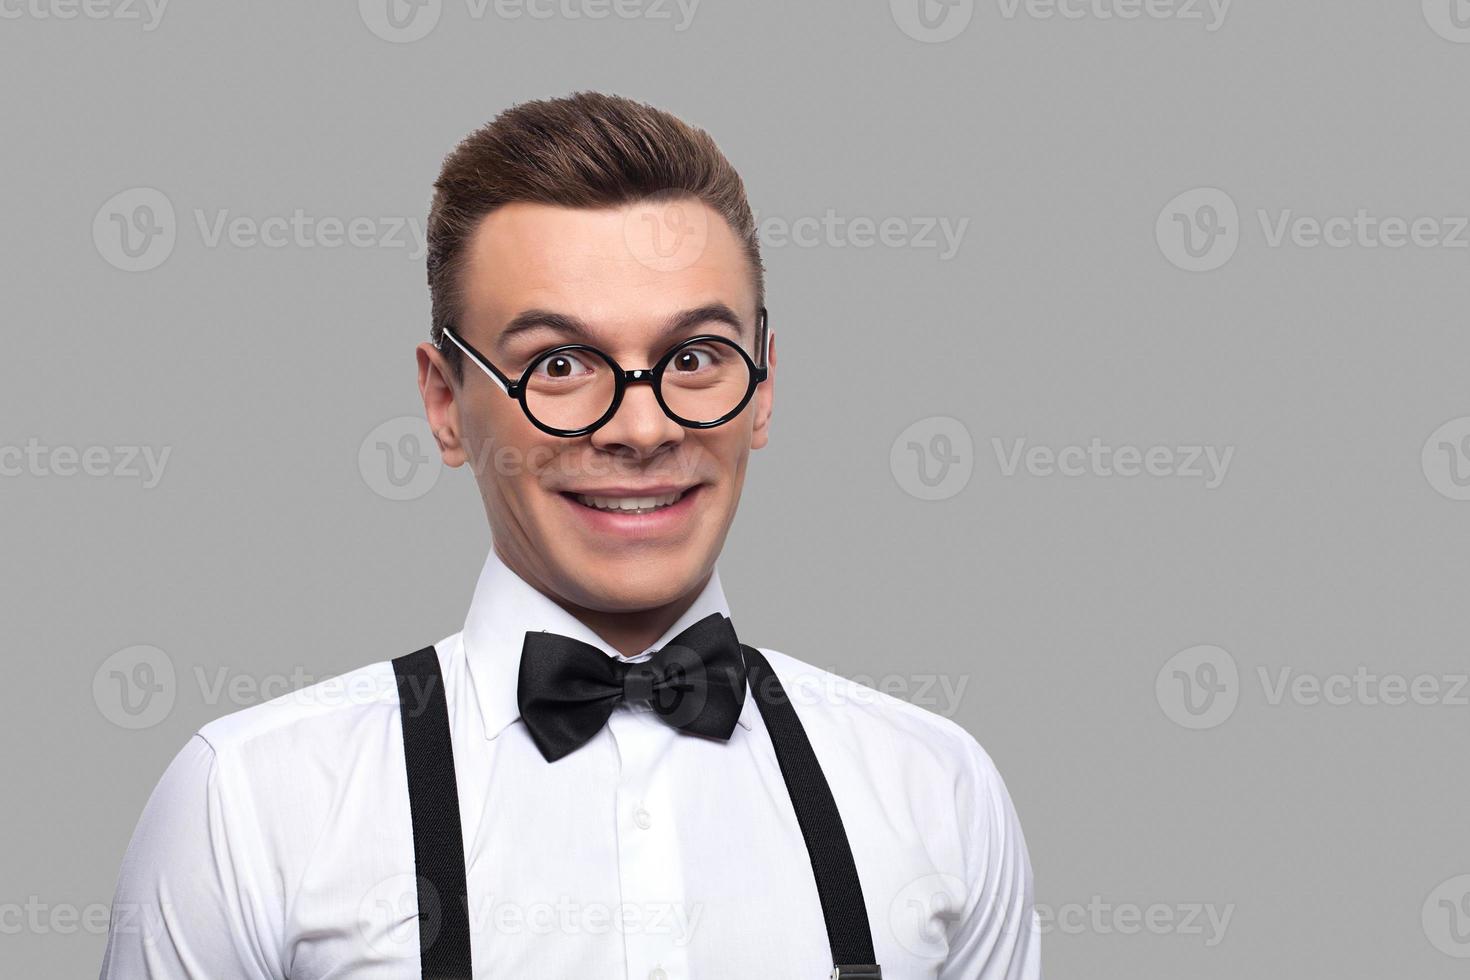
x: 319, y: 709
x: 941, y: 798
x: 283, y: 771
x: 320, y: 734
x: 888, y: 731
x: 241, y: 821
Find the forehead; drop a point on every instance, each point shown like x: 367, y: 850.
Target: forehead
x: 618, y: 268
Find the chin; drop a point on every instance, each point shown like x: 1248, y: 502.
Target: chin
x: 636, y: 580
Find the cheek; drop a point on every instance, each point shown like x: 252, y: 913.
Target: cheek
x: 729, y: 445
x: 510, y: 456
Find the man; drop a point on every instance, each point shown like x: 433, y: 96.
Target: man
x: 596, y: 777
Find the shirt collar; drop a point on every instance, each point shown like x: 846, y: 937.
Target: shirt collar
x: 505, y: 607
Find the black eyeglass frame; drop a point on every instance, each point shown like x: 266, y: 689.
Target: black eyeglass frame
x: 622, y: 378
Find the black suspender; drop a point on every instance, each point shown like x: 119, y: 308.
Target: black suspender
x: 821, y: 824
x: 433, y: 800
x: 438, y: 839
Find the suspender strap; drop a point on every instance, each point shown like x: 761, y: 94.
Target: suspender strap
x: 816, y: 812
x: 433, y: 797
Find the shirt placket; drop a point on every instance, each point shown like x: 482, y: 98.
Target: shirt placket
x: 650, y: 879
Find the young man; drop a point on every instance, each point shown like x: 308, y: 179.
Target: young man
x: 596, y: 777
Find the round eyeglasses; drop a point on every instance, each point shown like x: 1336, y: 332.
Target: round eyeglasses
x: 574, y: 389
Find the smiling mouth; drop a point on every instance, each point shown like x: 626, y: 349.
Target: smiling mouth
x: 629, y: 505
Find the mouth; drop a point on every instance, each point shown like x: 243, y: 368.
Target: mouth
x: 629, y: 503
x: 643, y: 513
x: 644, y: 504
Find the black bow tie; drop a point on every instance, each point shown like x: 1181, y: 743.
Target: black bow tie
x: 568, y: 689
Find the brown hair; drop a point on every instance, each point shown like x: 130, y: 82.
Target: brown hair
x: 587, y: 150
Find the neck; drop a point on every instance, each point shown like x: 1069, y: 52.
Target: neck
x: 629, y: 632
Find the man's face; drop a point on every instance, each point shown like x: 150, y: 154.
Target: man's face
x: 622, y: 276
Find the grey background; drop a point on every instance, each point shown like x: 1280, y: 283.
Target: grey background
x: 266, y: 555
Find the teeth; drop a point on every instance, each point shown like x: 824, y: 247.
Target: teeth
x: 630, y: 505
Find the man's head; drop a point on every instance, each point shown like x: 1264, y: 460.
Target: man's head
x: 593, y: 219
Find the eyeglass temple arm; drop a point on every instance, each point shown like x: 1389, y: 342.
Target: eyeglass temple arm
x: 762, y: 342
x: 505, y: 383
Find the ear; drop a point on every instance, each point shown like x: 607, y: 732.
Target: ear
x: 765, y: 396
x: 441, y: 403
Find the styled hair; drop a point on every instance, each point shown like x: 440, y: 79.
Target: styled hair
x: 587, y: 150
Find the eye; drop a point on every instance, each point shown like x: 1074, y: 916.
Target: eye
x: 565, y: 365
x: 701, y: 357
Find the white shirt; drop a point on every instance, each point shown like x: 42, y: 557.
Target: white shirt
x: 278, y: 843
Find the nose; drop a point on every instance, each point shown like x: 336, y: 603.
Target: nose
x: 639, y: 424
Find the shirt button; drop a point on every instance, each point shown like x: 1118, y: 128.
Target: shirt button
x: 657, y: 973
x: 642, y: 818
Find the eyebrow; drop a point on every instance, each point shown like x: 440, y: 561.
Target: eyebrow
x: 577, y: 330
